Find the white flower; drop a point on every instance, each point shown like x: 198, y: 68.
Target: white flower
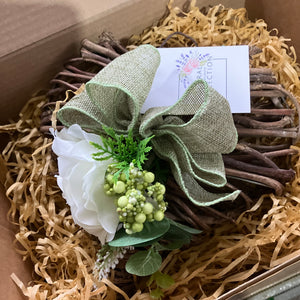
x: 81, y: 179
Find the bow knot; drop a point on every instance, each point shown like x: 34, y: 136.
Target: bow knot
x: 191, y: 134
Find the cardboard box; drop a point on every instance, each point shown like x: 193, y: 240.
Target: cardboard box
x: 38, y: 36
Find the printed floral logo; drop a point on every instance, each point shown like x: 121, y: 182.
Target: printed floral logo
x: 190, y: 66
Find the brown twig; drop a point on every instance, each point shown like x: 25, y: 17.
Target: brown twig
x: 64, y: 83
x: 279, y: 174
x: 90, y: 55
x: 253, y: 50
x: 82, y: 77
x: 55, y: 91
x: 88, y: 60
x: 107, y: 38
x: 265, y: 93
x: 249, y: 122
x: 267, y: 148
x: 262, y: 71
x: 45, y: 129
x: 284, y: 152
x: 78, y: 71
x: 49, y: 104
x: 247, y: 199
x: 251, y: 132
x: 246, y: 149
x: 214, y: 212
x: 178, y: 33
x: 99, y: 49
x: 269, y: 182
x: 273, y: 112
x: 186, y: 211
x: 262, y: 78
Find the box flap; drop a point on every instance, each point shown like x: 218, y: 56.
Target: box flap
x: 40, y: 35
x: 33, y: 58
x: 27, y: 22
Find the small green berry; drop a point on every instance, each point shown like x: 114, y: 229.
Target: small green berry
x: 106, y: 187
x: 123, y: 177
x: 150, y: 217
x: 128, y: 231
x: 122, y: 201
x: 160, y: 197
x: 137, y: 227
x: 130, y: 220
x: 149, y: 177
x: 129, y: 206
x: 159, y: 215
x: 140, y: 218
x: 126, y: 225
x: 110, y: 178
x: 140, y: 187
x: 148, y: 208
x: 119, y: 187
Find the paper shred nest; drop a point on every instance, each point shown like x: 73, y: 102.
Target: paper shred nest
x: 63, y: 254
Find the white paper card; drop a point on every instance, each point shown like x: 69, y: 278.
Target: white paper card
x: 225, y: 68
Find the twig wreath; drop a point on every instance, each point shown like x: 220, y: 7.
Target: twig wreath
x: 68, y: 261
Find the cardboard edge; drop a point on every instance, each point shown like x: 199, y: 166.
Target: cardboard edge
x: 275, y: 275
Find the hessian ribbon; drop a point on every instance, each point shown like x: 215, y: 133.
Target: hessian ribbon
x: 191, y: 135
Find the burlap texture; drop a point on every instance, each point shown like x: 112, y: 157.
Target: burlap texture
x: 193, y: 148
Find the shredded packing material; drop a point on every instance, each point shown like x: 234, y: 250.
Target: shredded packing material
x: 63, y: 254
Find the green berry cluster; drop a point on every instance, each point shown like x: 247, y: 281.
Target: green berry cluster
x: 138, y: 199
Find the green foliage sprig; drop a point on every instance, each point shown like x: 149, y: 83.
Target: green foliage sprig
x: 160, y: 236
x: 162, y: 281
x: 123, y: 149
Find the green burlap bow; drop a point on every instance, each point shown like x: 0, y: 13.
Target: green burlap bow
x: 193, y: 148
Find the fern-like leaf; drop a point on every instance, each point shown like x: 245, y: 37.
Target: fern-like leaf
x: 123, y: 150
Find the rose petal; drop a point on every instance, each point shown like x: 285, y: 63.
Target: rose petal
x: 72, y: 184
x: 105, y: 207
x: 75, y: 145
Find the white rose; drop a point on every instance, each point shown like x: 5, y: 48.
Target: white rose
x: 81, y: 179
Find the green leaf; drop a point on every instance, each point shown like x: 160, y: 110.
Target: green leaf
x: 144, y: 263
x: 162, y: 280
x: 175, y: 238
x: 184, y: 227
x: 148, y: 243
x: 157, y: 293
x: 151, y: 231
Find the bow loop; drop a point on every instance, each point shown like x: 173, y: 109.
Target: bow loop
x: 190, y: 135
x: 210, y: 130
x: 114, y: 97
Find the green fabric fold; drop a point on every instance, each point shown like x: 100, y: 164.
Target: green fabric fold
x: 191, y: 135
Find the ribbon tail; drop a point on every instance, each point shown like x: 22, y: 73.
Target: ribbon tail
x: 187, y: 171
x: 198, y: 195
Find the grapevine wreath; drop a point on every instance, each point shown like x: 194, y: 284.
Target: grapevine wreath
x: 150, y: 235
